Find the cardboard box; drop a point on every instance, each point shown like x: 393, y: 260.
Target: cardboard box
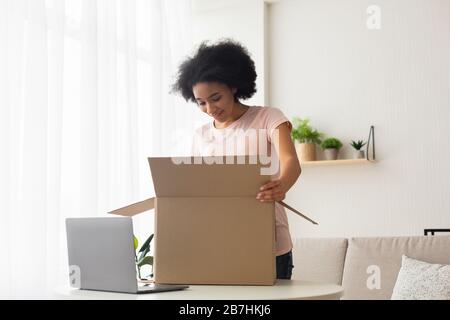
x: 209, y: 226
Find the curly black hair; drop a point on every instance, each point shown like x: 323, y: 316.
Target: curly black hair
x: 226, y: 62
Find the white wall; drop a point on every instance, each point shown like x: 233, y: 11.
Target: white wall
x: 237, y: 19
x: 326, y: 65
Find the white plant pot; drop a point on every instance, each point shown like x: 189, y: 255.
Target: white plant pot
x: 331, y: 154
x: 359, y: 154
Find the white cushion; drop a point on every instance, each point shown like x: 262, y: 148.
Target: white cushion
x: 420, y: 280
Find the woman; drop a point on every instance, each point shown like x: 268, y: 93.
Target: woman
x: 217, y: 78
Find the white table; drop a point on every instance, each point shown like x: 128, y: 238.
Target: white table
x: 283, y: 290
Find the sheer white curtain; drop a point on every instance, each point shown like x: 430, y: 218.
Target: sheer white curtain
x: 84, y: 98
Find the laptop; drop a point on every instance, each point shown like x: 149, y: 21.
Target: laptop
x: 102, y: 256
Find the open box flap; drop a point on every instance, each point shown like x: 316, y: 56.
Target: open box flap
x: 173, y: 177
x: 296, y: 212
x: 181, y: 177
x: 135, y: 208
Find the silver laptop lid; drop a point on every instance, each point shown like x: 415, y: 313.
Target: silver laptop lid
x: 101, y: 250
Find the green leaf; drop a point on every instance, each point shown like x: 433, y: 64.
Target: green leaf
x: 144, y: 253
x: 331, y: 143
x: 147, y: 243
x: 147, y: 260
x: 304, y: 133
x: 357, y: 145
x: 136, y: 243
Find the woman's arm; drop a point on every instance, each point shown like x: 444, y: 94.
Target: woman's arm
x: 290, y: 169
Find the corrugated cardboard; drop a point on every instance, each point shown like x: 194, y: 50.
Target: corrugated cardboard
x: 209, y: 226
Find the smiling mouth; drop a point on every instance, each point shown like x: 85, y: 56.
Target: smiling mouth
x: 217, y: 114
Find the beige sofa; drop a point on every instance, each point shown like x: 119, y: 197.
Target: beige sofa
x: 367, y: 268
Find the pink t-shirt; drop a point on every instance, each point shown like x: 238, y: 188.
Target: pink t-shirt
x: 251, y: 134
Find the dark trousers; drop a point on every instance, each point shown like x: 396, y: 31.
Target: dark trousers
x: 284, y: 266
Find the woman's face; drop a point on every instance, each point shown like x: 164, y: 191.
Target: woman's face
x: 215, y: 99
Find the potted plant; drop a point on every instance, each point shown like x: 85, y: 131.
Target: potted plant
x: 331, y: 148
x: 359, y: 154
x: 141, y: 257
x: 307, y: 138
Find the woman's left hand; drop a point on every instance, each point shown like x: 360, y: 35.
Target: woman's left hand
x: 271, y: 191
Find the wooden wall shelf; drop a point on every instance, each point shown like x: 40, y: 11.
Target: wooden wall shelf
x: 339, y: 162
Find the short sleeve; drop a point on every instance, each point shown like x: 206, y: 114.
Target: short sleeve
x: 275, y: 117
